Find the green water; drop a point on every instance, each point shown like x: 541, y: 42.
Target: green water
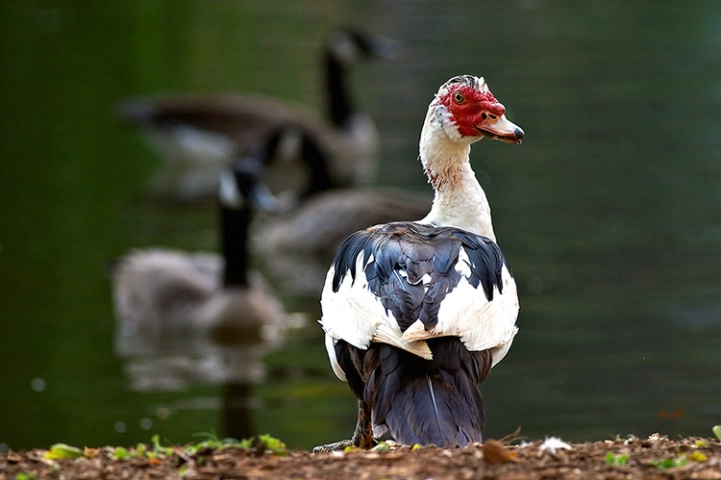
x: 608, y: 212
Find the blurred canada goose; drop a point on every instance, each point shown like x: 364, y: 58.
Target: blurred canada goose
x: 170, y: 294
x: 198, y: 134
x: 295, y: 245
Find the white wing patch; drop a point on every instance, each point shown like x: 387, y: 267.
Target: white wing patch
x: 467, y: 313
x: 355, y: 315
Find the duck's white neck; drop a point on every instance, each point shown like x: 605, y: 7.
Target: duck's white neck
x: 459, y: 199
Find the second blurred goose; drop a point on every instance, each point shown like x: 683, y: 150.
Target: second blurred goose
x: 295, y: 246
x: 197, y: 135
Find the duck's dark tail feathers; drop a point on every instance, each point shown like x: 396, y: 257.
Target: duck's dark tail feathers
x: 429, y: 401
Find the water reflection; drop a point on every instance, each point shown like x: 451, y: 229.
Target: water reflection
x: 179, y: 360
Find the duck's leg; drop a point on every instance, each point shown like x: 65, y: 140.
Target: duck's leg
x: 362, y: 437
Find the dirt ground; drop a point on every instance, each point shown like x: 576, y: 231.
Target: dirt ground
x: 655, y: 457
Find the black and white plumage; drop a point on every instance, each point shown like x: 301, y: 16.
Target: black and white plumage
x: 197, y: 135
x: 417, y: 313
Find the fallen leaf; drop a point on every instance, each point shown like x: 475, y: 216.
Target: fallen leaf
x: 496, y: 452
x: 670, y: 414
x: 63, y: 450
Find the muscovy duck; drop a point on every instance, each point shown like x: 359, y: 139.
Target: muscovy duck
x: 198, y: 134
x: 416, y: 313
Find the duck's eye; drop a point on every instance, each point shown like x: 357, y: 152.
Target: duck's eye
x: 458, y: 98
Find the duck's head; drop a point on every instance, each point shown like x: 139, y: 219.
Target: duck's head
x: 466, y: 109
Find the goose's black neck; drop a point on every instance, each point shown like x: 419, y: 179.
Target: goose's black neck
x: 317, y: 162
x: 234, y: 245
x: 313, y: 155
x: 339, y: 102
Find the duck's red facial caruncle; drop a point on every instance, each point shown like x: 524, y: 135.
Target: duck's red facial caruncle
x: 479, y: 114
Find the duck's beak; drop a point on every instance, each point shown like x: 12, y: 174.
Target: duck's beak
x: 500, y: 128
